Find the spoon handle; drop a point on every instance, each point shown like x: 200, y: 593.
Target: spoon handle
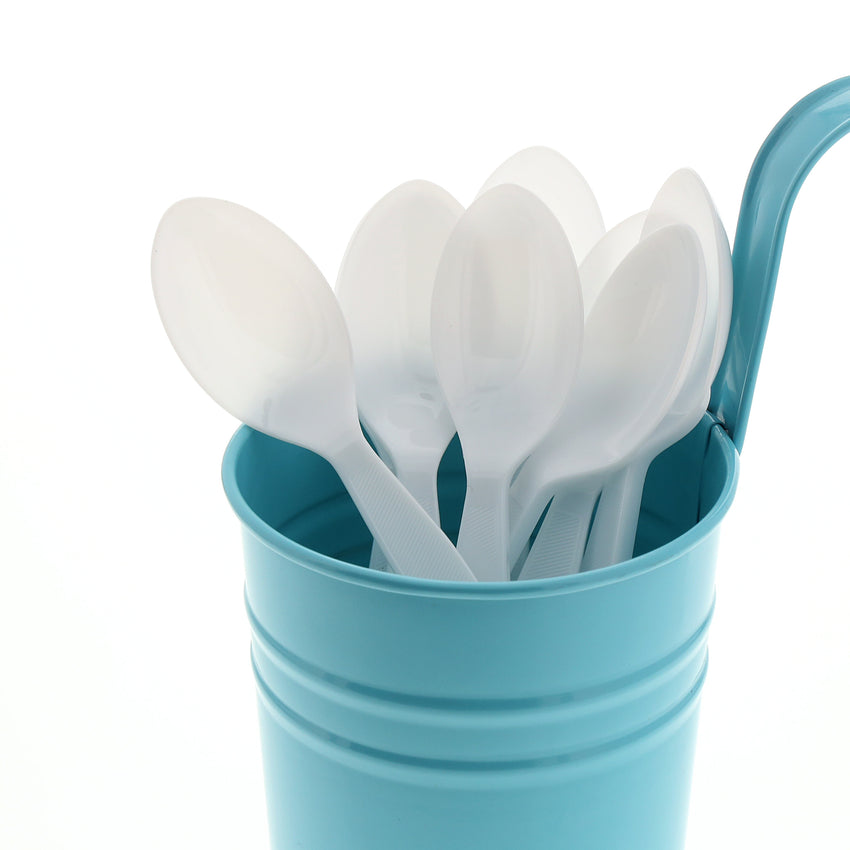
x: 558, y: 548
x: 483, y: 537
x: 420, y: 480
x: 528, y: 499
x: 413, y: 543
x: 377, y: 559
x: 612, y: 538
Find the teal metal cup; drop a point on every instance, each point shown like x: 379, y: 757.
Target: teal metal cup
x: 404, y: 713
x: 560, y: 713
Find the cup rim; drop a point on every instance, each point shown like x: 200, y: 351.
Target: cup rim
x: 393, y: 583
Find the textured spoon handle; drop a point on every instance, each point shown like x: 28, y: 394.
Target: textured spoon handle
x: 528, y: 500
x: 413, y: 543
x: 558, y: 548
x: 612, y: 538
x: 483, y: 536
x: 421, y: 482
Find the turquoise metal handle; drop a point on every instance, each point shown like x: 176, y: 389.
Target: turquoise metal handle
x: 794, y: 145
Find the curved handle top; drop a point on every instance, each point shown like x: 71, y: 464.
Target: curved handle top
x: 794, y: 145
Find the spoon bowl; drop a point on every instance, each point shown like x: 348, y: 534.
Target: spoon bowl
x: 561, y: 186
x: 253, y: 321
x: 598, y: 266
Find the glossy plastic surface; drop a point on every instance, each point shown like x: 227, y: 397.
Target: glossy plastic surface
x: 561, y: 186
x: 598, y: 266
x: 547, y: 714
x: 506, y: 334
x: 797, y: 142
x: 639, y: 342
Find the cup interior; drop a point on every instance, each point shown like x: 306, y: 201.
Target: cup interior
x: 297, y: 493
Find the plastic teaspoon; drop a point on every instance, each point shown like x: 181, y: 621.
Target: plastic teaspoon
x: 685, y: 199
x: 384, y: 287
x: 506, y: 332
x: 639, y: 340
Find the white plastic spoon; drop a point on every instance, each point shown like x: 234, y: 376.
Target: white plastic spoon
x: 560, y: 185
x: 384, y: 288
x: 639, y: 340
x: 683, y: 198
x: 506, y: 332
x: 594, y: 273
x: 259, y: 328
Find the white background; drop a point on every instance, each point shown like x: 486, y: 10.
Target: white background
x: 127, y: 714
